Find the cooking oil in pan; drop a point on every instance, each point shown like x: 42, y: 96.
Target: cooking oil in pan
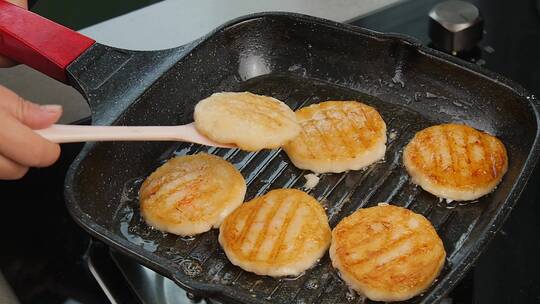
x: 131, y: 224
x: 133, y: 234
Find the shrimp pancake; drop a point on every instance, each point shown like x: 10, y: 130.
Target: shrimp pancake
x: 387, y: 253
x: 191, y: 194
x: 455, y: 162
x: 281, y: 233
x: 337, y: 136
x: 252, y: 122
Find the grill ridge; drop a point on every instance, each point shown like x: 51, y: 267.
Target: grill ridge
x: 340, y: 194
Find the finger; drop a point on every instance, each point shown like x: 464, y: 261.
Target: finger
x: 22, y: 145
x: 10, y: 170
x: 29, y: 113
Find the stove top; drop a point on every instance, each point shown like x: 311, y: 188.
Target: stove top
x: 47, y: 258
x: 510, y: 44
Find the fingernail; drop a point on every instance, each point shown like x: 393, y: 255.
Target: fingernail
x: 51, y: 108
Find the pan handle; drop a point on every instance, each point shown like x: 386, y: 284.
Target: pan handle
x: 38, y: 42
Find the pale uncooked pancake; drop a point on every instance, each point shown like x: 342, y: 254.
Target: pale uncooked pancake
x: 191, y: 194
x: 252, y: 122
x: 281, y: 233
x: 387, y: 253
x: 455, y: 162
x: 337, y: 136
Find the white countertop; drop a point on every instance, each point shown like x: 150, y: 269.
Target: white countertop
x: 167, y: 24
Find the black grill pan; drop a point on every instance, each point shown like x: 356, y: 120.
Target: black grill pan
x: 300, y: 60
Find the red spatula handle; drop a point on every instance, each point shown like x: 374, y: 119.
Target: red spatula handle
x: 37, y: 42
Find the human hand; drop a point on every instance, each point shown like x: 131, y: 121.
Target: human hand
x: 5, y: 62
x: 20, y: 146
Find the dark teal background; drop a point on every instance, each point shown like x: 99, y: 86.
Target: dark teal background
x: 77, y: 14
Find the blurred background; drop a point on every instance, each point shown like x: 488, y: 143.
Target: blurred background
x: 80, y: 14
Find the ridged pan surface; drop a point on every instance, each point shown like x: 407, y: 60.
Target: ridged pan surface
x: 302, y: 61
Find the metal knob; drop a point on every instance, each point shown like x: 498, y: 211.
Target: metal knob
x: 455, y: 26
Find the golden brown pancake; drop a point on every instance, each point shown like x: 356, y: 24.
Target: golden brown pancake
x: 191, y: 194
x: 455, y: 162
x: 337, y: 136
x: 387, y: 253
x: 252, y: 122
x: 283, y: 232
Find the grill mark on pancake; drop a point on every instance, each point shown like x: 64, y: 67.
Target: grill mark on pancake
x: 247, y: 226
x: 264, y: 230
x: 215, y: 206
x: 462, y: 161
x: 194, y: 214
x: 340, y: 133
x: 437, y: 153
x: 478, y: 164
x: 372, y: 269
x: 487, y: 162
x: 277, y: 224
x: 254, y: 115
x: 420, y: 155
x: 492, y: 161
x: 152, y: 187
x: 381, y: 270
x: 367, y: 121
x: 453, y: 157
x: 237, y: 109
x: 356, y: 130
x: 430, y: 150
x: 385, y: 268
x: 270, y: 105
x: 266, y: 112
x: 466, y: 137
x: 189, y: 197
x: 304, y: 137
x: 360, y: 241
x: 290, y: 236
x: 355, y: 140
x: 433, y: 151
x: 181, y: 212
x: 495, y: 156
x: 386, y: 247
x: 328, y: 146
x: 444, y: 150
x: 298, y: 243
x: 238, y: 222
x: 276, y: 109
x: 276, y: 249
x: 183, y: 184
x: 264, y: 207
